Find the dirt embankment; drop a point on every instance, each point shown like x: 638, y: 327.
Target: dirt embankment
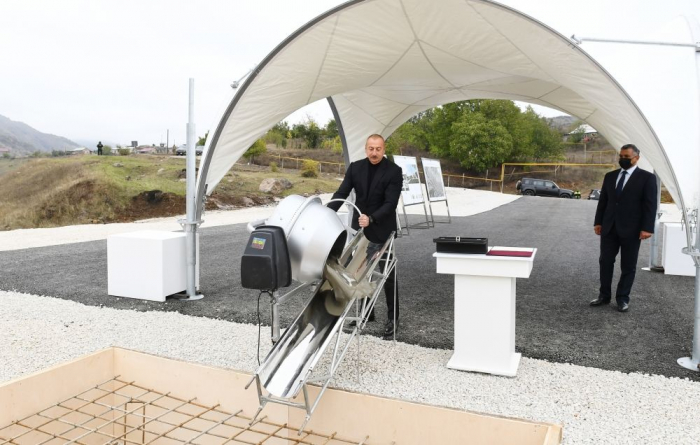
x: 55, y: 192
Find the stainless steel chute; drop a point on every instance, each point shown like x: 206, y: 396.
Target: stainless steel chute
x: 343, y: 277
x: 314, y: 232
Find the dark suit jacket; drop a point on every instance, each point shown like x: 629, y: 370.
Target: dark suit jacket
x: 634, y: 210
x: 379, y: 201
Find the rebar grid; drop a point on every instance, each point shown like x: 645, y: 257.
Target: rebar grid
x: 117, y: 412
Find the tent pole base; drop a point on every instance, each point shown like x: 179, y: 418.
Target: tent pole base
x: 182, y: 296
x: 689, y: 363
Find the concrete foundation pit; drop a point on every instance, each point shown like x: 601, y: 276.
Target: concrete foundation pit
x: 123, y: 397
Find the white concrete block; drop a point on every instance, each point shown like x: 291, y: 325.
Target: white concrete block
x: 149, y: 264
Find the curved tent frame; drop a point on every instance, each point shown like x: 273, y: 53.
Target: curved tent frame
x: 414, y: 55
x: 379, y: 62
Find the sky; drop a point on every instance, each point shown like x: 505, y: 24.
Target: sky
x: 118, y: 70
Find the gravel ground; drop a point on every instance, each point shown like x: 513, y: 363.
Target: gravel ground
x: 554, y: 323
x: 595, y: 406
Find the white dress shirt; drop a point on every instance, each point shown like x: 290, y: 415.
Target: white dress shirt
x: 627, y: 176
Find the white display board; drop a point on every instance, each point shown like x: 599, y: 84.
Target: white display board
x: 433, y: 179
x: 411, y: 191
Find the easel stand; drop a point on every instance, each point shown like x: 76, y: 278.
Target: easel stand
x: 421, y: 225
x: 432, y: 217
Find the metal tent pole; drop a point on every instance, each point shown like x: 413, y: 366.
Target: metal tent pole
x: 693, y: 362
x: 654, y: 248
x: 190, y: 224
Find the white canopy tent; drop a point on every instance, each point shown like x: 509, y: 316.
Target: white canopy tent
x: 662, y: 75
x: 380, y: 62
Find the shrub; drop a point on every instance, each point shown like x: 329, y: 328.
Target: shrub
x: 256, y: 149
x: 107, y: 150
x: 123, y: 151
x: 309, y: 169
x: 273, y: 167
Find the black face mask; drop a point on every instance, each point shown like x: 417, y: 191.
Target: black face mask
x: 625, y: 163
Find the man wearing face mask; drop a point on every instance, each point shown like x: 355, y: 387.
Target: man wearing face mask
x: 625, y: 216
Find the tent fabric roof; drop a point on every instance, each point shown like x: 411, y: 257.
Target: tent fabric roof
x: 383, y: 61
x: 665, y: 83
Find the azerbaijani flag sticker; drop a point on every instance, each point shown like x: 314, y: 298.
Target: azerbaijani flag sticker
x: 258, y: 243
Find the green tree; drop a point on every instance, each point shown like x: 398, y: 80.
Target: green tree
x: 478, y: 143
x: 298, y: 131
x: 419, y: 128
x: 331, y: 129
x: 510, y: 117
x: 281, y: 127
x: 439, y: 132
x: 545, y: 141
x: 107, y: 150
x: 202, y: 140
x: 313, y: 134
x: 273, y: 137
x: 277, y: 134
x: 256, y: 149
x: 333, y: 144
x: 399, y: 140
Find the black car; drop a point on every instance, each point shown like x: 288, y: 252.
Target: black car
x: 542, y: 187
x: 595, y: 194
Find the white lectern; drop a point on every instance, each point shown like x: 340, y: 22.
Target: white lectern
x: 484, y: 339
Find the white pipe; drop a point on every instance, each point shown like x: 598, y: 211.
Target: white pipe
x: 693, y: 362
x: 653, y: 254
x: 191, y: 224
x: 579, y: 40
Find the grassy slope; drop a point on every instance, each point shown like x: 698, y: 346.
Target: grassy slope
x: 54, y: 192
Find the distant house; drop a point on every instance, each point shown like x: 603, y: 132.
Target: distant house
x: 146, y: 149
x: 589, y: 133
x: 4, y: 150
x: 79, y: 151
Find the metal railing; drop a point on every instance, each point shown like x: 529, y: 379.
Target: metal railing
x: 451, y: 180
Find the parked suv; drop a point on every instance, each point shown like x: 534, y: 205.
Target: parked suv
x: 182, y: 151
x: 542, y: 187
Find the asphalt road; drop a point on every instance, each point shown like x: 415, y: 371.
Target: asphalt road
x: 554, y: 321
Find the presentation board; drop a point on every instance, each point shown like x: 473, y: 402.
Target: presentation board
x: 433, y: 179
x: 411, y: 191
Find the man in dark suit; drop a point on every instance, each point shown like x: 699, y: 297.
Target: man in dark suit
x: 625, y: 216
x: 377, y: 183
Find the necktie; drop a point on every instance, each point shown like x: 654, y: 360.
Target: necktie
x: 620, y: 183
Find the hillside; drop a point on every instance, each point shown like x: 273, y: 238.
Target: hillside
x: 51, y: 192
x: 23, y: 140
x: 561, y: 123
